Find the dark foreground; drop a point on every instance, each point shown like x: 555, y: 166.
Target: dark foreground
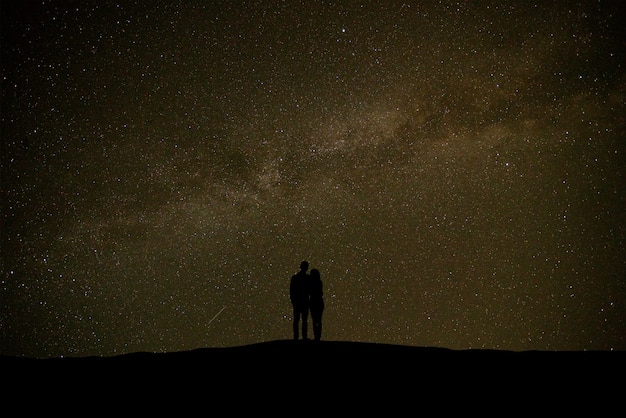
x: 337, y: 370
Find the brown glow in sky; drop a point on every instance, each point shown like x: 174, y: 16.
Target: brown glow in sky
x: 454, y: 170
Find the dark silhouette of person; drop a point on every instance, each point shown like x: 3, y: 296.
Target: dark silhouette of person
x: 299, y: 295
x: 316, y: 303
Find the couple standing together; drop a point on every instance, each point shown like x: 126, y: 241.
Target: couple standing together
x: 306, y: 293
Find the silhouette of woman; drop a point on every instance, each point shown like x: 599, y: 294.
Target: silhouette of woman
x: 316, y: 303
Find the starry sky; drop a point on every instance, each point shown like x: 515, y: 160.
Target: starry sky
x: 455, y: 170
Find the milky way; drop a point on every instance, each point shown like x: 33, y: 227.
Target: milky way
x: 455, y: 170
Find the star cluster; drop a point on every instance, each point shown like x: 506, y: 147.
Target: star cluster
x: 455, y: 170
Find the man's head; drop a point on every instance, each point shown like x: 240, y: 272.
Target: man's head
x: 304, y: 266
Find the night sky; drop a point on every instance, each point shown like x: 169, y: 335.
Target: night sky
x: 455, y: 170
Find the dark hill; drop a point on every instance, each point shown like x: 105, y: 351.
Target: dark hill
x: 286, y: 353
x: 332, y: 356
x: 336, y: 369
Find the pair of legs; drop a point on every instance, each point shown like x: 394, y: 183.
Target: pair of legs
x: 300, y: 313
x: 316, y: 317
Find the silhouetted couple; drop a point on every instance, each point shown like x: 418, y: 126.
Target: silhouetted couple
x: 306, y: 294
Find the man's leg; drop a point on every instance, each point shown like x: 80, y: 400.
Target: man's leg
x: 296, y: 320
x: 305, y: 325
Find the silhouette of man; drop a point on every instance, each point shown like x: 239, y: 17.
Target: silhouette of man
x: 316, y: 303
x: 299, y: 295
